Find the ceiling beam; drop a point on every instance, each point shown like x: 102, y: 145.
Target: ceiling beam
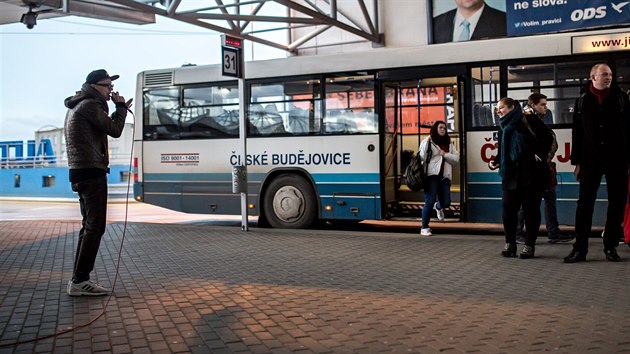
x: 329, y: 20
x: 236, y: 23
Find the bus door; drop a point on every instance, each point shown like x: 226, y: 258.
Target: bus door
x: 391, y: 142
x: 410, y: 108
x: 402, y: 139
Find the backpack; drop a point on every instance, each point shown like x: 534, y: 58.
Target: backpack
x: 416, y: 172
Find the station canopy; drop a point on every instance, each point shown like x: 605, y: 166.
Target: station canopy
x: 297, y: 21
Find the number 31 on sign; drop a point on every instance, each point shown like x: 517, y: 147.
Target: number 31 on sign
x: 231, y: 61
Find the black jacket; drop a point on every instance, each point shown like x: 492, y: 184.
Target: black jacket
x: 492, y: 24
x: 87, y: 126
x: 600, y: 132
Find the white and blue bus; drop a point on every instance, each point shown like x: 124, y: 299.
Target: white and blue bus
x: 328, y: 137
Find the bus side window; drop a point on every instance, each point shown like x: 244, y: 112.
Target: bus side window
x: 271, y: 108
x: 161, y: 114
x: 340, y: 125
x: 298, y: 121
x: 267, y: 123
x: 254, y: 117
x: 168, y: 125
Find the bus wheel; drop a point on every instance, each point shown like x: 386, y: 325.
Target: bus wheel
x: 290, y: 203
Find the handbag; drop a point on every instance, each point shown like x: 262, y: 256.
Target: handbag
x: 415, y: 174
x: 416, y: 171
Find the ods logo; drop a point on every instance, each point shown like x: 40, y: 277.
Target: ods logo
x: 588, y: 13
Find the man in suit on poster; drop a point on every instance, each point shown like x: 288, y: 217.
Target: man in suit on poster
x: 470, y: 20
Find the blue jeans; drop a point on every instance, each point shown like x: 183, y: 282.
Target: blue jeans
x: 93, y: 201
x: 551, y: 215
x: 436, y: 189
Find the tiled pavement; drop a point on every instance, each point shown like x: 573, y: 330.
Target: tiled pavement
x: 207, y: 289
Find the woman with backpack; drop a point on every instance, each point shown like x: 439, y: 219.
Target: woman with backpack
x: 442, y: 155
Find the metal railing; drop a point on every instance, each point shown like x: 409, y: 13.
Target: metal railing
x: 30, y: 162
x: 51, y: 161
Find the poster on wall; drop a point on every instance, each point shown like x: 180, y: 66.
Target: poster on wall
x: 528, y: 17
x: 466, y: 20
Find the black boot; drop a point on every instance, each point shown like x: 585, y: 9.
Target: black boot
x: 509, y: 250
x: 612, y: 255
x: 575, y: 256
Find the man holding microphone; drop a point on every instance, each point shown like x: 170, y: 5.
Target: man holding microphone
x: 86, y: 128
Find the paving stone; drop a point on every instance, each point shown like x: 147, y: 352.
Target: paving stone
x: 196, y: 288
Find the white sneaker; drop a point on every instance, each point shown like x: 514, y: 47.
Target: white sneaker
x: 426, y: 232
x: 86, y: 288
x: 439, y: 213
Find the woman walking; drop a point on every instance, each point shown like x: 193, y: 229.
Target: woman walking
x: 437, y: 188
x: 524, y: 141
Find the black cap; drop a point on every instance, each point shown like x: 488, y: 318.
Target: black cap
x: 99, y: 75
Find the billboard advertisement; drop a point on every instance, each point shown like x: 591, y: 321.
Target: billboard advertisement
x: 528, y: 17
x: 465, y: 20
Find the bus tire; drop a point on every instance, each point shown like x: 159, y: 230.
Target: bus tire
x: 290, y: 203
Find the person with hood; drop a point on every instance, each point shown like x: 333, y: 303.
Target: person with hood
x: 442, y: 155
x: 600, y: 147
x: 86, y: 128
x: 524, y: 142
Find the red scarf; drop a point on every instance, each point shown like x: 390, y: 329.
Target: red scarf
x: 600, y: 94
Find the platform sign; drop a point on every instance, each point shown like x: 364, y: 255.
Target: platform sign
x: 232, y: 56
x: 234, y: 66
x: 231, y: 61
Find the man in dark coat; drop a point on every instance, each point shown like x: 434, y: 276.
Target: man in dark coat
x: 471, y: 20
x: 537, y: 106
x: 600, y: 147
x: 86, y: 129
